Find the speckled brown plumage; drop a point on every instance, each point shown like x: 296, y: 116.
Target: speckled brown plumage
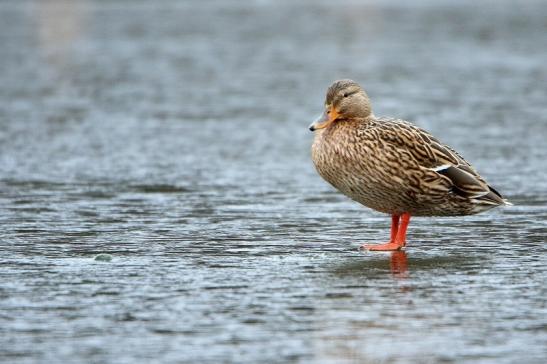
x: 391, y: 165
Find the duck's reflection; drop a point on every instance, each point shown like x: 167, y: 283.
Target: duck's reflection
x: 375, y: 264
x: 399, y: 264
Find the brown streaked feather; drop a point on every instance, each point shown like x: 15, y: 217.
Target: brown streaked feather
x: 431, y: 153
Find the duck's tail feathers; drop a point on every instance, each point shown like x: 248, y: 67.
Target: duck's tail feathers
x: 499, y: 198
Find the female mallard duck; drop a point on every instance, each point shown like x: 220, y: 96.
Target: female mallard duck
x: 393, y: 166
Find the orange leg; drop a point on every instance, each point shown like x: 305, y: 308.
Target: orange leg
x: 398, y: 234
x: 394, y: 227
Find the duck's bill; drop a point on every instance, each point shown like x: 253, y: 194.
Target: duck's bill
x: 323, y: 121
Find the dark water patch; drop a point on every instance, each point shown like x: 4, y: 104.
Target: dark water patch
x: 35, y: 210
x: 253, y: 321
x: 35, y: 184
x: 337, y: 295
x: 97, y: 194
x: 224, y: 287
x: 159, y: 188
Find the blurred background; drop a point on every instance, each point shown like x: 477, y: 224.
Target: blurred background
x: 172, y: 136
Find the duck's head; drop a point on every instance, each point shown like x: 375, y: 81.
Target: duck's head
x: 345, y: 100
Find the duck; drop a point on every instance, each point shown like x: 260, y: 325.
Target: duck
x: 392, y: 166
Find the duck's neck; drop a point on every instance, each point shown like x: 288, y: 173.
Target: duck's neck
x: 350, y: 124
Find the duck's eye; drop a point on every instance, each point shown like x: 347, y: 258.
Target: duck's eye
x: 346, y: 94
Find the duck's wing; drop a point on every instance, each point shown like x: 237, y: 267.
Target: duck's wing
x: 430, y: 153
